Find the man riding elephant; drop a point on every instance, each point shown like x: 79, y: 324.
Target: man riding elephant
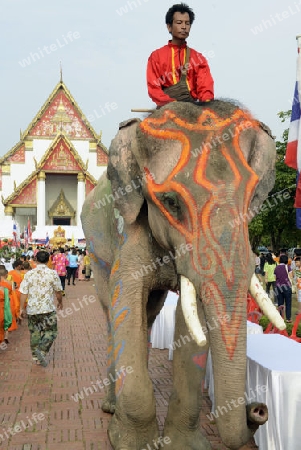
x: 175, y: 71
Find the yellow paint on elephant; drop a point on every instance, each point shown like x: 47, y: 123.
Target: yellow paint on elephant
x: 120, y: 318
x: 115, y: 295
x: 115, y: 267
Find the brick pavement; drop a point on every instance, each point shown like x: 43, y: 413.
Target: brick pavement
x: 37, y: 402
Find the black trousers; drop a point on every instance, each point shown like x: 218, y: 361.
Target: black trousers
x: 71, y: 273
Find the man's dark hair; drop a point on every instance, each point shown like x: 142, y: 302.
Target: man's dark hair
x: 181, y: 8
x: 17, y: 263
x: 3, y: 271
x: 297, y: 258
x: 43, y: 257
x: 283, y: 259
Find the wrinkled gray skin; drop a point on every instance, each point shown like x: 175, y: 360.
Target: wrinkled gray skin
x: 138, y: 229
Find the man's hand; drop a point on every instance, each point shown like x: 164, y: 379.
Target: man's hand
x: 59, y: 298
x: 60, y: 304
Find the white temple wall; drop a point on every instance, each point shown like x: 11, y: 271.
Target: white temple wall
x: 7, y: 185
x: 40, y: 146
x: 82, y: 148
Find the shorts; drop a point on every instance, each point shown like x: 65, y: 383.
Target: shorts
x: 257, y: 270
x: 299, y: 295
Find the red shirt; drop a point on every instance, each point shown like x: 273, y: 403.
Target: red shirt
x: 164, y: 69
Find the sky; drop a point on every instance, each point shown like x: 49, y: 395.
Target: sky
x: 103, y: 47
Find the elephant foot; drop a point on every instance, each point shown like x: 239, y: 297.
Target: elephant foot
x: 188, y: 440
x: 109, y: 404
x: 124, y: 436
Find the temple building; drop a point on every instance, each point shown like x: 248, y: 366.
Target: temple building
x: 46, y: 176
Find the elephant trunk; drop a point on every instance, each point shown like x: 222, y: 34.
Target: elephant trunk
x: 225, y: 311
x: 257, y: 414
x: 227, y: 335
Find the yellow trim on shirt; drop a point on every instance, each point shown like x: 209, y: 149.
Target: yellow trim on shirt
x: 173, y: 66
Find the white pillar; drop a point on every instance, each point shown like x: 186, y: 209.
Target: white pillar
x: 80, y: 197
x: 41, y: 200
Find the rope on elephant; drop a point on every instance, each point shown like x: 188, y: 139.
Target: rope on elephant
x: 143, y: 110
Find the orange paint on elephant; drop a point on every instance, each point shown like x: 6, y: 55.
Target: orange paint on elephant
x: 115, y: 267
x: 117, y: 350
x: 115, y: 295
x: 200, y: 222
x: 120, y: 318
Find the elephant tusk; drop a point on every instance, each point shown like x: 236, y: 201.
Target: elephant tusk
x: 189, y: 308
x: 265, y: 304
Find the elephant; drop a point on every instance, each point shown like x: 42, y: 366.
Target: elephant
x: 172, y: 213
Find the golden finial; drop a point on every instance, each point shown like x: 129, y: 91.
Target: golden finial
x: 35, y: 162
x: 21, y: 135
x: 86, y: 165
x: 15, y: 185
x: 61, y: 72
x: 2, y: 199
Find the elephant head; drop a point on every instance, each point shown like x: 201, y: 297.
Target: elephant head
x: 202, y: 173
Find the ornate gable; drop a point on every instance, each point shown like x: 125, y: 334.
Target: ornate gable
x: 89, y: 186
x: 61, y: 207
x: 19, y: 155
x: 60, y: 112
x: 61, y: 115
x: 62, y: 157
x: 25, y: 194
x: 102, y: 156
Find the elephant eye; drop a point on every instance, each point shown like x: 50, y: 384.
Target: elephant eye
x: 171, y: 202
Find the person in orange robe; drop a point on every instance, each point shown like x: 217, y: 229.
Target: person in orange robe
x: 4, y: 283
x: 16, y: 277
x: 2, y: 333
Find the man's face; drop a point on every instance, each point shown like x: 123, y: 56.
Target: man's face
x: 180, y: 26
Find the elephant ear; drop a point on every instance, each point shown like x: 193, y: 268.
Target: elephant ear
x: 262, y: 159
x: 124, y: 173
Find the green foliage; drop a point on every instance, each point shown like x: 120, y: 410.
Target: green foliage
x: 275, y: 225
x: 264, y: 321
x: 7, y: 253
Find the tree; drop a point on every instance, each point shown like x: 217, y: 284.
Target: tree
x: 275, y: 225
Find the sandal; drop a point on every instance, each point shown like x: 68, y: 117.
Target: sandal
x: 288, y: 321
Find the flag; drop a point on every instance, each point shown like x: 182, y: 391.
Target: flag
x: 25, y: 237
x: 15, y: 234
x: 47, y: 239
x: 29, y: 233
x: 293, y: 149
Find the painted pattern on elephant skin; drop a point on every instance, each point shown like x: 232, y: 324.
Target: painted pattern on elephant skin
x: 218, y: 197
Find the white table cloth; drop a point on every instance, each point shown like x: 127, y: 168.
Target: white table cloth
x: 252, y: 328
x: 163, y: 329
x: 274, y: 361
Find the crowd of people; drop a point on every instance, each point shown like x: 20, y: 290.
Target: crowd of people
x: 66, y: 264
x: 282, y: 278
